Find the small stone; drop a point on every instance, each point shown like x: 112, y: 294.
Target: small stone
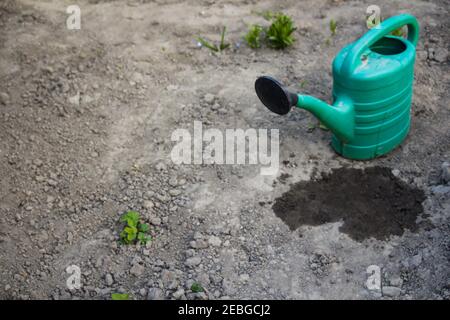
x: 445, y: 172
x: 37, y: 162
x: 51, y: 182
x: 75, y: 100
x: 199, y: 244
x: 390, y: 291
x: 396, y: 281
x: 440, y: 189
x: 395, y: 172
x: 154, y: 220
x: 203, y: 279
x: 148, y: 204
x: 174, y: 192
x: 441, y: 54
x: 155, y: 294
x: 416, y: 260
x: 137, y: 270
x: 214, y: 241
x: 169, y: 279
x: 198, y: 235
x: 209, y: 98
x: 192, y: 262
x: 142, y: 292
x: 178, y: 294
x: 109, y: 279
x: 4, y: 98
x: 173, y: 182
x: 244, y: 277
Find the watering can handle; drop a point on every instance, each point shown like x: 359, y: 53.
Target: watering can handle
x: 376, y: 33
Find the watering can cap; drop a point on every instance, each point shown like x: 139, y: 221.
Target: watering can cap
x: 274, y: 95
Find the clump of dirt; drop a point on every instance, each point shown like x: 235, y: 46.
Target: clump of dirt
x: 371, y: 203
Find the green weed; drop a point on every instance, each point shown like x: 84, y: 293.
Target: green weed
x: 253, y: 36
x: 134, y: 231
x: 279, y: 34
x: 333, y: 26
x: 213, y: 47
x: 120, y: 296
x: 196, y: 287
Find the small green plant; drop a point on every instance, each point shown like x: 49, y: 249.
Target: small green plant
x: 134, y: 231
x: 398, y: 32
x: 333, y: 26
x: 120, y: 296
x: 253, y: 36
x: 268, y: 15
x: 213, y: 47
x: 279, y: 34
x: 197, y: 287
x: 303, y: 83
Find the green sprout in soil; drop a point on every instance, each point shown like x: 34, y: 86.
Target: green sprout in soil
x: 197, y: 287
x: 120, y: 296
x: 253, y: 36
x: 398, y: 32
x: 279, y: 34
x: 303, y: 83
x: 213, y: 47
x: 333, y: 26
x: 134, y: 231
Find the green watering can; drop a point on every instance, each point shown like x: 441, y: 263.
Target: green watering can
x: 372, y: 92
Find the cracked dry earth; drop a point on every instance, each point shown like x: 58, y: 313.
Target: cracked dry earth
x: 85, y: 124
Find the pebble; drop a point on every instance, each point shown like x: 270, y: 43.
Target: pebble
x: 395, y: 172
x: 4, y: 98
x: 209, y: 98
x: 154, y: 220
x: 390, y: 291
x: 142, y: 292
x: 51, y: 182
x: 445, y: 172
x: 137, y: 270
x: 441, y: 54
x: 148, y: 204
x: 214, y: 241
x: 169, y: 279
x: 192, y: 262
x: 174, y: 192
x: 109, y: 279
x: 178, y: 294
x: 203, y: 279
x: 155, y: 294
x: 75, y: 100
x: 199, y: 244
x: 396, y: 281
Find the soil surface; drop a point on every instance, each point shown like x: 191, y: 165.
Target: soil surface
x: 86, y: 118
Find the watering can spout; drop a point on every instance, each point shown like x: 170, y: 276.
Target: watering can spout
x: 339, y: 117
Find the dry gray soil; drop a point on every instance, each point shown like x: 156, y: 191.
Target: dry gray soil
x: 85, y: 124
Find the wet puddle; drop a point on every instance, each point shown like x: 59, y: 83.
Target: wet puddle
x: 371, y: 203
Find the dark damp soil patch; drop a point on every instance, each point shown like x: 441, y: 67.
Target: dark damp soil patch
x: 370, y: 202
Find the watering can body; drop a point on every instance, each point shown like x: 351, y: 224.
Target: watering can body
x: 372, y: 92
